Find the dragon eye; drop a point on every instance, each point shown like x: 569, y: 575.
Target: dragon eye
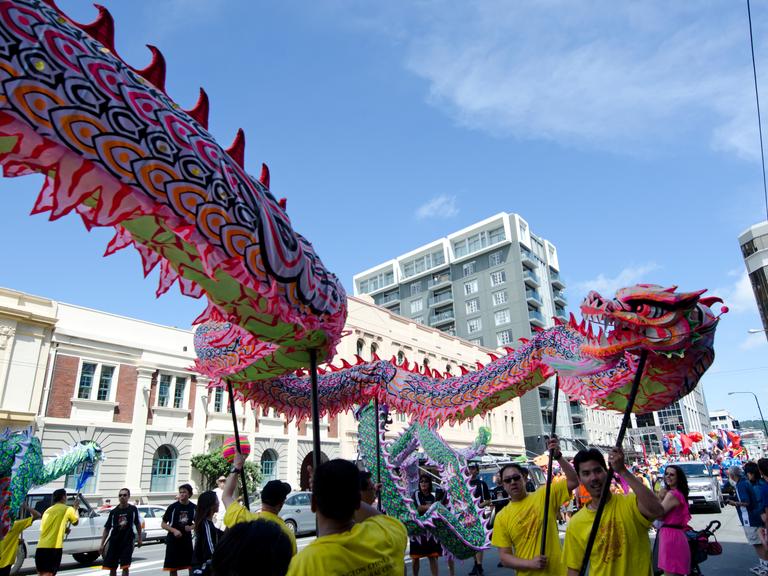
x: 643, y: 309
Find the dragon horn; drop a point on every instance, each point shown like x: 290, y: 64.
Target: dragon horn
x: 264, y: 178
x: 102, y: 29
x: 236, y: 150
x: 200, y: 111
x: 709, y: 300
x: 155, y: 72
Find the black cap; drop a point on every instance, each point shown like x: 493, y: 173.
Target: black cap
x: 274, y: 492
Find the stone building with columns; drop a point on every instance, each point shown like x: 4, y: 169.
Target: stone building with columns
x: 78, y: 374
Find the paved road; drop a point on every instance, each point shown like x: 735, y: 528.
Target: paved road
x: 737, y: 558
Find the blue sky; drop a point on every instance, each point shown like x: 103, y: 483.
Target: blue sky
x: 624, y: 134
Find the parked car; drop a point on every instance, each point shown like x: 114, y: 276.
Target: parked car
x: 83, y: 540
x: 297, y: 513
x: 704, y: 488
x: 151, y: 518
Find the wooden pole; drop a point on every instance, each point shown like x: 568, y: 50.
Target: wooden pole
x: 378, y: 452
x: 237, y: 441
x: 619, y: 441
x: 315, y: 411
x: 549, y: 469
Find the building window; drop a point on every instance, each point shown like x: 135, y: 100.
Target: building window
x: 523, y: 227
x: 178, y: 393
x: 417, y: 306
x: 379, y: 281
x: 448, y: 368
x: 504, y: 338
x: 501, y: 317
x: 498, y: 277
x: 496, y: 235
x: 360, y: 346
x: 218, y: 400
x: 476, y: 341
x: 474, y: 325
x: 268, y: 465
x: 401, y: 416
x: 468, y: 269
x: 374, y: 349
x: 400, y: 357
x: 71, y: 481
x: 470, y: 287
x: 495, y: 258
x: 88, y: 374
x: 171, y: 387
x: 418, y: 319
x: 499, y: 297
x: 163, y: 470
x: 472, y: 305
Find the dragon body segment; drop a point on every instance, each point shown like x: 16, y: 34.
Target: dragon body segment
x: 22, y: 468
x: 457, y: 521
x: 594, y: 365
x: 118, y: 151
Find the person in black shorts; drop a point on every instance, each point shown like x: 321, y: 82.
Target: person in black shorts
x: 118, y: 550
x: 179, y: 520
x: 483, y: 494
x: 424, y: 547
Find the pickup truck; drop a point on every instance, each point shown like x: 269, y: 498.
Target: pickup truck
x: 83, y: 540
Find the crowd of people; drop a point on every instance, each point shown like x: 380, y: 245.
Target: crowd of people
x: 218, y: 536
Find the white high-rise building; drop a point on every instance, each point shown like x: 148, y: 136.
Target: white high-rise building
x: 490, y: 283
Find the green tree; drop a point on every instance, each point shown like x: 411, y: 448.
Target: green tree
x: 212, y: 465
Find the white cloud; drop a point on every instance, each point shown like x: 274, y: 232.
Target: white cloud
x: 607, y: 286
x: 738, y: 296
x: 754, y: 341
x: 440, y: 206
x: 611, y: 75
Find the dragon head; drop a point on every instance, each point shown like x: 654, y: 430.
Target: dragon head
x: 646, y: 316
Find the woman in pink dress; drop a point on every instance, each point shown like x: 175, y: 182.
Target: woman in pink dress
x: 674, y: 553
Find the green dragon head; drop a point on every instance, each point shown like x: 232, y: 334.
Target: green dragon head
x: 646, y: 316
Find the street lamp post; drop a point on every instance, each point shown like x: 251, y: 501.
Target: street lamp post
x: 765, y: 428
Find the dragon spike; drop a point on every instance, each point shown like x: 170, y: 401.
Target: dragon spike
x: 479, y: 365
x: 345, y: 364
x: 155, y: 72
x: 320, y: 370
x: 264, y: 178
x: 523, y: 340
x: 359, y: 360
x: 393, y: 360
x: 709, y: 300
x: 236, y: 150
x: 537, y: 328
x: 558, y: 321
x: 375, y: 357
x: 493, y: 357
x: 200, y: 111
x: 671, y: 289
x: 572, y: 321
x: 102, y: 29
x: 283, y: 203
x: 508, y: 349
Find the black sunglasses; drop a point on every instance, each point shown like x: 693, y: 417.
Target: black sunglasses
x: 123, y: 495
x: 510, y: 479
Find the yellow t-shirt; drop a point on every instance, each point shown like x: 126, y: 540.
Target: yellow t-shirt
x: 518, y: 526
x: 374, y: 547
x: 237, y: 513
x: 10, y: 543
x: 53, y: 525
x: 622, y: 545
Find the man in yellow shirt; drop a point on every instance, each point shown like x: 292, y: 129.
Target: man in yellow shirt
x: 622, y: 545
x: 272, y: 499
x: 52, y: 529
x: 9, y: 546
x: 517, y: 528
x: 352, y: 536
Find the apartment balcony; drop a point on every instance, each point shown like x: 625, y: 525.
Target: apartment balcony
x: 449, y: 329
x: 536, y: 318
x: 441, y: 318
x: 560, y: 313
x: 388, y: 298
x: 531, y: 278
x: 555, y: 279
x: 533, y: 297
x: 439, y: 280
x: 441, y: 298
x: 527, y: 257
x: 559, y: 297
x: 394, y: 308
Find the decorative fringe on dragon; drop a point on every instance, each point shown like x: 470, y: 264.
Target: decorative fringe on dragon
x: 22, y: 468
x: 118, y: 151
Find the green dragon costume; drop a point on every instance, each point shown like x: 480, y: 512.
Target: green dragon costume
x: 22, y: 468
